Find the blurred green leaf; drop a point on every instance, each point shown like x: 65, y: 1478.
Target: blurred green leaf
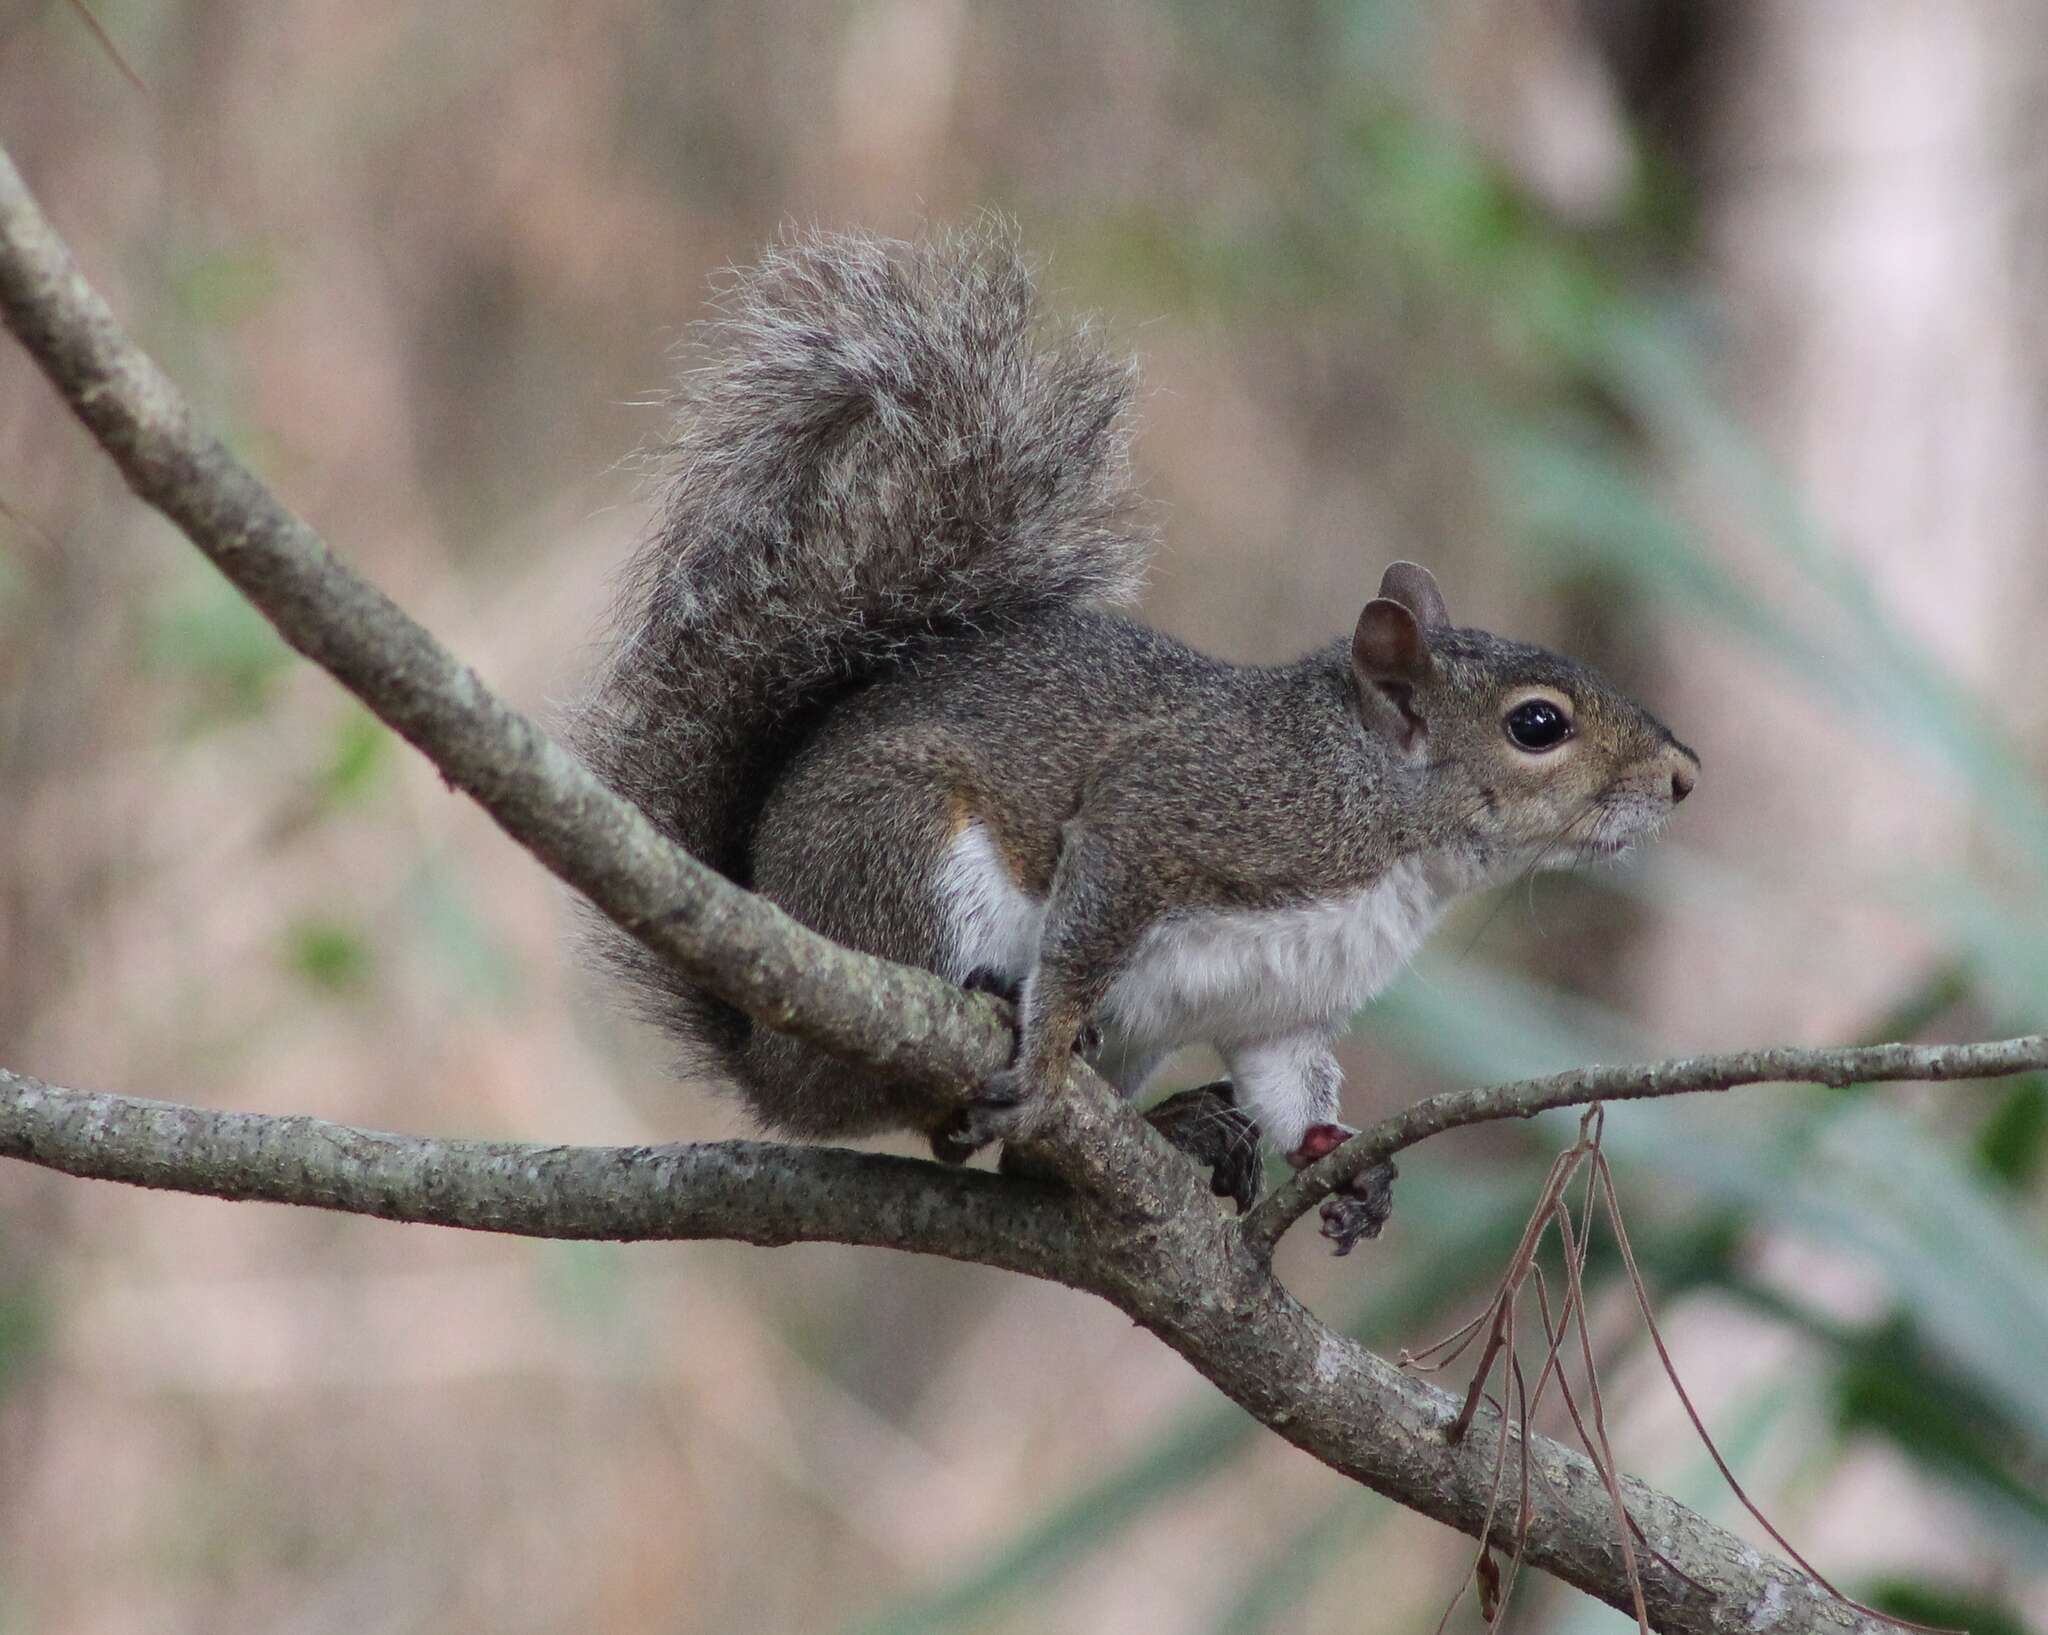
x: 2003, y: 936
x: 13, y: 579
x: 210, y: 638
x: 1889, y: 1384
x: 357, y: 758
x: 1196, y: 1448
x: 1926, y: 1602
x: 1939, y: 992
x: 23, y: 1331
x: 483, y: 966
x: 329, y: 956
x: 1280, y: 1583
x: 585, y: 1283
x: 1431, y: 192
x: 2014, y: 1140
x: 1617, y: 508
x: 227, y: 284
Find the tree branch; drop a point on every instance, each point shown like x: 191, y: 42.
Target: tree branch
x: 1140, y: 1230
x: 761, y: 1192
x: 1184, y: 1273
x: 1870, y: 1064
x: 901, y: 1021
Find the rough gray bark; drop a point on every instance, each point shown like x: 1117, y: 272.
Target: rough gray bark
x: 1134, y: 1224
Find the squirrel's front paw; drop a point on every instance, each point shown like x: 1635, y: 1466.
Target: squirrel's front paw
x: 1359, y: 1210
x: 987, y: 979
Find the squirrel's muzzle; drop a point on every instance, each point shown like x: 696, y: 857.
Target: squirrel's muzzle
x: 1683, y: 768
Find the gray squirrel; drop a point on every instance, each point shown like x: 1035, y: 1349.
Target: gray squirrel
x: 866, y: 665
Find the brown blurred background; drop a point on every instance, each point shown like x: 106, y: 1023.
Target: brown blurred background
x: 1703, y: 339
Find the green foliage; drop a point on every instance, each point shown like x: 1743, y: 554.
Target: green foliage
x: 22, y: 1332
x: 218, y: 649
x: 13, y: 578
x: 1942, y: 1608
x: 357, y: 760
x: 2014, y: 1140
x: 225, y: 284
x: 330, y: 957
x: 1889, y: 1384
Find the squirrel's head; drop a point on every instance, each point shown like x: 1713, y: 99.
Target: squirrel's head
x: 1534, y: 761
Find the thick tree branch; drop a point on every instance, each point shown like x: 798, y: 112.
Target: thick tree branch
x: 754, y: 1191
x: 1581, y: 1086
x: 1184, y: 1272
x: 1140, y: 1229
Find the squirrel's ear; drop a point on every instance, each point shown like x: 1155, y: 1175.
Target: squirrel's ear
x: 1390, y: 655
x: 1414, y: 587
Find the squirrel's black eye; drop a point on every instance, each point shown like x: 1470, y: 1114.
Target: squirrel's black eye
x: 1538, y: 724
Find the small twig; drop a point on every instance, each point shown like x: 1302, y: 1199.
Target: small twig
x: 1575, y: 1282
x: 1507, y: 1581
x: 1494, y: 1586
x: 1510, y: 1284
x: 1872, y: 1064
x: 1452, y: 1346
x: 1564, y: 1386
x: 106, y: 41
x: 1642, y: 1294
x: 1609, y: 1469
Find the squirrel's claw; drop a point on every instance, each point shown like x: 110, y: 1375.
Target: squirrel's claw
x: 1355, y: 1212
x: 991, y: 1112
x: 1206, y: 1124
x: 1360, y: 1210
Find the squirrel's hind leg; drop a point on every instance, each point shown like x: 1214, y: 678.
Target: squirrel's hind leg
x: 1290, y: 1084
x: 850, y: 846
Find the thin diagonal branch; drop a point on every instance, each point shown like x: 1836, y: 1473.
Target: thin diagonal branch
x: 904, y: 1022
x: 1690, y: 1075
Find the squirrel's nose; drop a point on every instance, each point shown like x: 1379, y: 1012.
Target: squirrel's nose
x: 1685, y: 771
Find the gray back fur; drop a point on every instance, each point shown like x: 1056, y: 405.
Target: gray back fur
x: 882, y: 446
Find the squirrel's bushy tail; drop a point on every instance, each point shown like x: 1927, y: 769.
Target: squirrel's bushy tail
x: 883, y: 446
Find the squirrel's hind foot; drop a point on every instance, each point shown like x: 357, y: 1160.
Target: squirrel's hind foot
x: 1359, y: 1210
x: 1207, y: 1124
x: 991, y: 1112
x: 997, y: 1109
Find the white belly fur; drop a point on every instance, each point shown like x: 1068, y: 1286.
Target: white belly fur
x: 991, y: 924
x: 1206, y: 977
x: 1235, y: 977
